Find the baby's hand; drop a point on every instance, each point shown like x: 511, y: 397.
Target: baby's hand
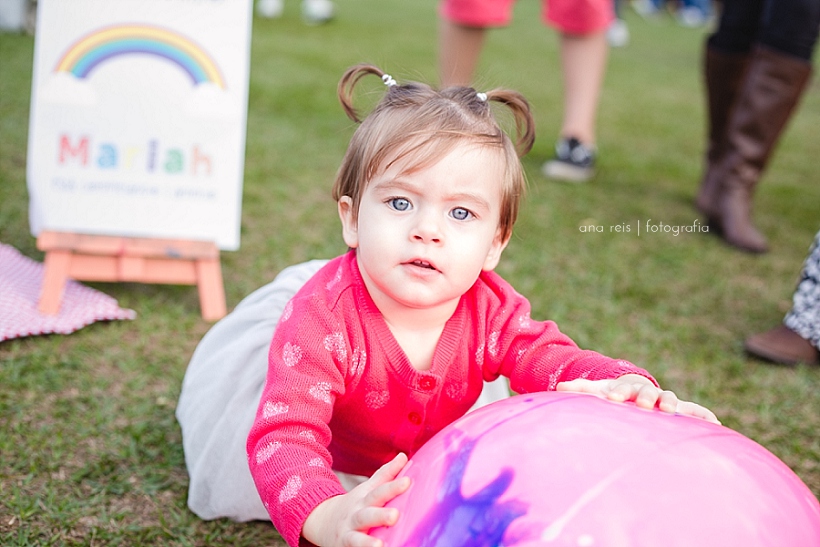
x: 343, y: 521
x: 634, y: 387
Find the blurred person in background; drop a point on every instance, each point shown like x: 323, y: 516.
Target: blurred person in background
x: 756, y: 67
x: 797, y: 339
x: 618, y: 32
x: 689, y: 13
x: 584, y: 49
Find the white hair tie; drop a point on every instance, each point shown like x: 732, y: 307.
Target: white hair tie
x: 482, y: 97
x: 388, y: 80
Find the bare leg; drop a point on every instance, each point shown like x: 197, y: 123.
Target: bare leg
x: 459, y: 50
x: 583, y: 62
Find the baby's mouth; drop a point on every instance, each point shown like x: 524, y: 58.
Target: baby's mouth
x: 422, y: 264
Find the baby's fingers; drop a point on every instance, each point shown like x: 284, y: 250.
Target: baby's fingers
x: 668, y: 402
x: 580, y: 385
x: 372, y: 517
x: 383, y: 486
x: 379, y: 496
x: 648, y: 396
x: 388, y: 471
x: 354, y: 538
x: 622, y: 391
x: 693, y: 409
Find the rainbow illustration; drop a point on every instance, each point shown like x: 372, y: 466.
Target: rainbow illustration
x: 109, y: 42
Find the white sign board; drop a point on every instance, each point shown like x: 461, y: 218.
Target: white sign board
x: 138, y: 118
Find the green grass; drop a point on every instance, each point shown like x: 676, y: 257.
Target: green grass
x: 90, y: 453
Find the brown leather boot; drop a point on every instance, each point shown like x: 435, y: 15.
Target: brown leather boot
x: 723, y: 74
x: 771, y: 89
x: 782, y: 345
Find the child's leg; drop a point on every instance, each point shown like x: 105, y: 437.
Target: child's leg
x: 584, y: 50
x: 583, y: 62
x: 461, y: 35
x: 459, y: 50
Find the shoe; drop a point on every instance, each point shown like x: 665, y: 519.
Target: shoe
x: 317, y: 12
x: 782, y: 345
x: 723, y: 77
x: 771, y: 89
x: 574, y: 161
x: 270, y: 9
x: 618, y: 33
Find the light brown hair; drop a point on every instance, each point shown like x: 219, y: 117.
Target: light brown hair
x: 415, y: 119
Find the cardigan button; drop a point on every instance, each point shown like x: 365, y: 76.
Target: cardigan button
x: 414, y: 417
x: 427, y: 383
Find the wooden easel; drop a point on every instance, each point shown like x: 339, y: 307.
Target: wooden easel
x: 143, y: 260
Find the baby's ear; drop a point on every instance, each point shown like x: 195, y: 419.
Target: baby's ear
x: 350, y: 226
x: 494, y: 255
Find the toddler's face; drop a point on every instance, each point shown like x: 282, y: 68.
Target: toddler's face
x: 422, y: 238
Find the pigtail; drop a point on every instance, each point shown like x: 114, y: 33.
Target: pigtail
x: 418, y: 124
x: 520, y: 108
x: 349, y: 80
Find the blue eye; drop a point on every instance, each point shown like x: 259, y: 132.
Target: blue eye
x: 460, y: 213
x: 399, y: 204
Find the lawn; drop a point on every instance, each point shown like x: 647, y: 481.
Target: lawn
x: 90, y: 452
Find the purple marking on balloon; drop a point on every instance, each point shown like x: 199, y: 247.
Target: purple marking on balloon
x: 477, y: 521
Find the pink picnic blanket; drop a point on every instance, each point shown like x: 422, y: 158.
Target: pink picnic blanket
x: 21, y: 279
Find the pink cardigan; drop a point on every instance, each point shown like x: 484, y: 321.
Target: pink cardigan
x: 341, y: 394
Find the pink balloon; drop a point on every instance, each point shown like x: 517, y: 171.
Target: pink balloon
x: 566, y: 469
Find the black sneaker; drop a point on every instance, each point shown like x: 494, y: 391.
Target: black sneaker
x: 573, y: 162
